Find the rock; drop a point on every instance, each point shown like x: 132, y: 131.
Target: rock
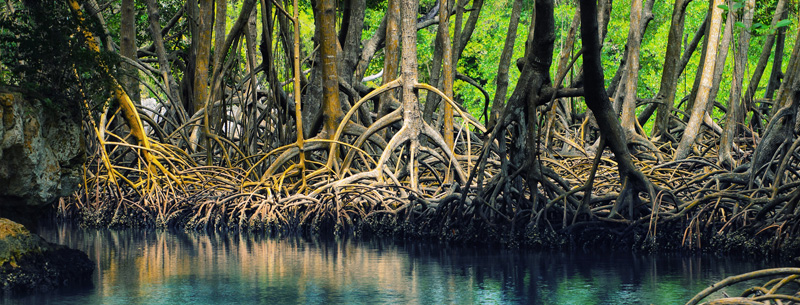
x: 41, y: 151
x: 28, y: 263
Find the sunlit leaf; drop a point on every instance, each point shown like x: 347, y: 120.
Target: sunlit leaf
x: 783, y: 23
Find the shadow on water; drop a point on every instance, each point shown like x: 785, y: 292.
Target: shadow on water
x: 173, y: 267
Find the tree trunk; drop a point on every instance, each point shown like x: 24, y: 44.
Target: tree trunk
x: 631, y: 178
x: 350, y: 35
x: 698, y: 77
x: 220, y: 20
x: 733, y: 115
x: 499, y: 100
x: 461, y: 37
x: 326, y: 22
x: 163, y: 65
x: 447, y: 73
x: 670, y: 74
x: 408, y: 72
x: 204, y: 26
x: 392, y: 58
x: 786, y: 92
x: 758, y: 71
x: 632, y: 70
x: 699, y: 109
x: 782, y: 125
x: 776, y: 74
x: 127, y: 48
x: 465, y: 34
x: 721, y: 58
x: 645, y: 16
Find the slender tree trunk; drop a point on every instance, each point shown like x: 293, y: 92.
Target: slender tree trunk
x: 596, y: 97
x: 127, y: 48
x: 350, y: 35
x: 161, y: 53
x: 783, y: 125
x: 699, y: 109
x: 670, y: 74
x: 733, y: 115
x: 632, y: 70
x: 332, y: 109
x: 645, y: 16
x: 461, y: 36
x: 603, y: 18
x: 758, y: 71
x: 432, y: 100
x: 721, y: 58
x: 392, y: 58
x: 776, y: 74
x: 461, y: 40
x: 408, y: 71
x: 538, y: 63
x: 786, y: 92
x: 204, y: 24
x: 499, y: 100
x: 220, y: 20
x: 249, y: 108
x: 698, y: 77
x: 447, y: 73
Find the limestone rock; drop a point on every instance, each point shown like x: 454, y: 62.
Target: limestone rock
x: 41, y: 151
x: 28, y: 263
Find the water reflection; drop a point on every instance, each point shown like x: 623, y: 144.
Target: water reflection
x: 149, y: 267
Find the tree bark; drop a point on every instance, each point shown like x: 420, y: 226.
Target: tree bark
x: 758, y: 71
x: 408, y: 71
x: 776, y: 74
x: 783, y: 124
x: 205, y: 19
x: 733, y: 114
x: 699, y: 73
x: 721, y: 58
x: 631, y: 178
x: 670, y: 73
x: 127, y: 48
x: 326, y: 22
x: 498, y: 103
x: 699, y: 109
x: 351, y: 42
x: 632, y: 70
x: 392, y: 58
x: 173, y: 90
x: 220, y: 20
x: 447, y: 73
x: 463, y: 38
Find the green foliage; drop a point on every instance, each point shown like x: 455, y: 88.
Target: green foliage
x: 42, y: 52
x: 481, y: 56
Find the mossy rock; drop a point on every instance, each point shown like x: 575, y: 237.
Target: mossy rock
x: 16, y: 241
x: 28, y: 263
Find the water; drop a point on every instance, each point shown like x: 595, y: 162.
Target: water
x: 148, y: 267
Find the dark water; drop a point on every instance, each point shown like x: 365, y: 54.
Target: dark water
x: 148, y: 267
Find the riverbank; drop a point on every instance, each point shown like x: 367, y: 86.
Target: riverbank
x: 420, y: 222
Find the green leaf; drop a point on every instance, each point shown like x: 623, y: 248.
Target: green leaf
x: 740, y: 25
x: 783, y: 23
x: 738, y: 6
x: 723, y: 6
